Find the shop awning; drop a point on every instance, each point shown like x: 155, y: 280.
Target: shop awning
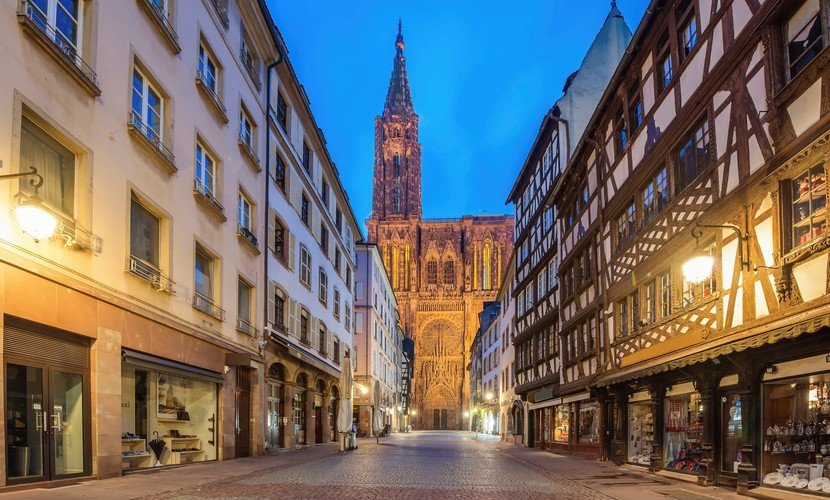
x: 737, y: 342
x: 142, y: 360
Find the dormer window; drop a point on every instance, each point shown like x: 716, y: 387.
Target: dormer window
x: 804, y: 37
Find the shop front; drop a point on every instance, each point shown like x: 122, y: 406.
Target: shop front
x: 569, y: 426
x: 169, y: 412
x: 47, y: 402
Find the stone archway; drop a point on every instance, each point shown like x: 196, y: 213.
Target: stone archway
x: 439, y: 373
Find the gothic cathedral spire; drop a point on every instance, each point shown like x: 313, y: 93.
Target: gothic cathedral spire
x: 397, y: 170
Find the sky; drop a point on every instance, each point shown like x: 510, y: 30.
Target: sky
x: 483, y: 74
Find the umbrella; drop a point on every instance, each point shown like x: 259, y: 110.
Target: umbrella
x: 344, y: 413
x: 157, y: 445
x: 377, y: 423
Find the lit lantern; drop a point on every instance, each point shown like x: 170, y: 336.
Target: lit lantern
x: 698, y: 268
x: 35, y: 221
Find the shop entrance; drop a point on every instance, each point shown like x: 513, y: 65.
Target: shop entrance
x: 46, y: 420
x: 730, y: 416
x: 47, y: 406
x: 243, y: 412
x: 318, y: 424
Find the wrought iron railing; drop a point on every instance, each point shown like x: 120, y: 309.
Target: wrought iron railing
x: 247, y: 234
x: 150, y: 135
x: 245, y: 144
x: 222, y: 9
x: 160, y: 11
x: 207, y: 306
x: 248, y: 62
x: 151, y: 274
x: 37, y: 18
x: 245, y: 326
x: 203, y: 81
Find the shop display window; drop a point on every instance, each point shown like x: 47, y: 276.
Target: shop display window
x: 166, y: 418
x: 589, y: 423
x: 731, y: 432
x: 683, y: 431
x: 562, y: 424
x: 640, y: 433
x: 796, y: 426
x: 547, y: 417
x: 809, y: 204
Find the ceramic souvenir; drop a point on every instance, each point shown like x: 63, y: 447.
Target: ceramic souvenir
x: 802, y: 483
x: 772, y: 478
x: 789, y: 481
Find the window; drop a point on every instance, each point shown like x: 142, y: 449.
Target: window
x: 321, y: 341
x: 336, y: 303
x: 338, y: 220
x: 305, y: 266
x: 432, y: 272
x: 541, y: 284
x: 623, y: 318
x: 244, y: 213
x: 635, y: 108
x: 54, y: 161
x: 449, y: 272
x: 144, y: 234
x: 279, y: 310
x: 621, y: 132
x: 282, y: 112
x: 335, y: 354
x: 279, y: 172
x: 626, y: 227
x: 279, y: 240
x: 687, y: 38
x: 665, y: 295
x: 323, y: 290
x: 61, y: 17
x: 347, y: 320
x: 304, y: 210
x: 665, y: 71
x: 348, y: 277
x: 396, y: 200
x: 244, y: 292
x: 306, y: 158
x: 324, y: 238
x: 304, y: 325
x: 649, y: 291
x: 693, y: 158
x: 337, y: 260
x: 248, y: 56
x: 205, y: 172
x: 808, y: 207
x: 655, y: 196
x: 147, y: 108
x: 208, y: 70
x: 246, y: 129
x: 324, y: 193
x: 804, y: 36
x: 204, y: 273
x: 396, y: 166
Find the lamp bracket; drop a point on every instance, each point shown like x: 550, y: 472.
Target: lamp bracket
x: 36, y: 180
x: 697, y: 233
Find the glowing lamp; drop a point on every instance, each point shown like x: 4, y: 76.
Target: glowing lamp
x: 35, y: 220
x: 698, y: 268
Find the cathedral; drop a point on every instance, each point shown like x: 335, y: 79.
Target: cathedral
x: 442, y: 270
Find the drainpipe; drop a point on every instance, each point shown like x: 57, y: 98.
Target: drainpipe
x: 268, y: 70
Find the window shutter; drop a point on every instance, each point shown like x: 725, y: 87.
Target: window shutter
x: 314, y: 333
x: 330, y: 346
x: 292, y: 252
x: 272, y: 218
x: 295, y: 319
x: 272, y: 290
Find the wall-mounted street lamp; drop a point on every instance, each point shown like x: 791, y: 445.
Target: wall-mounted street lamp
x: 699, y: 267
x: 35, y: 221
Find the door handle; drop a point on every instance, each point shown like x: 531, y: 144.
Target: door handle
x: 56, y: 421
x: 39, y: 420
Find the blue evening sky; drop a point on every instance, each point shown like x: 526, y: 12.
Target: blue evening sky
x: 483, y: 73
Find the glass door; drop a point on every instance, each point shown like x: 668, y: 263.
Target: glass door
x: 731, y: 432
x: 25, y: 423
x: 66, y: 423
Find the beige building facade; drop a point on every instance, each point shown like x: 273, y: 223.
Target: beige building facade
x: 139, y: 320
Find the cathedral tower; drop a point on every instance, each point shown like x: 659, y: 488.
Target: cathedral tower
x: 397, y: 172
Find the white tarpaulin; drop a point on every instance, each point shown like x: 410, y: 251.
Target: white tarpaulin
x: 344, y: 413
x: 377, y: 423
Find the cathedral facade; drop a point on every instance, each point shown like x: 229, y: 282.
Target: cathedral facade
x: 442, y: 270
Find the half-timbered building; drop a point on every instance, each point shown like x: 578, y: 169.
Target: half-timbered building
x: 553, y: 370
x: 708, y: 220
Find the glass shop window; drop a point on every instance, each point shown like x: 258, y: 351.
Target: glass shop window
x: 809, y: 206
x: 683, y: 423
x: 589, y: 423
x: 562, y: 424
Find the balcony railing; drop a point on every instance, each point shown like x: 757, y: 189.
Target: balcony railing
x: 152, y: 139
x: 203, y: 83
x: 150, y: 274
x: 222, y: 10
x: 248, y: 62
x: 205, y: 195
x: 158, y: 11
x: 245, y: 326
x: 247, y: 235
x: 207, y: 306
x: 36, y: 24
x: 248, y: 150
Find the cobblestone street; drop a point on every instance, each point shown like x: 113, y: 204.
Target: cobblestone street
x: 417, y: 465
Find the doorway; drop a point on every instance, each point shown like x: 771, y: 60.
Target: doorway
x: 318, y: 424
x: 243, y: 412
x: 47, y: 422
x: 730, y: 434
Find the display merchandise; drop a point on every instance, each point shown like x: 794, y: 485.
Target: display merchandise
x: 796, y: 424
x: 562, y: 424
x: 683, y: 431
x: 640, y: 433
x: 171, y: 414
x: 589, y: 422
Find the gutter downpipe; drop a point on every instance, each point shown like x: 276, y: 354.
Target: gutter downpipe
x: 268, y: 70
